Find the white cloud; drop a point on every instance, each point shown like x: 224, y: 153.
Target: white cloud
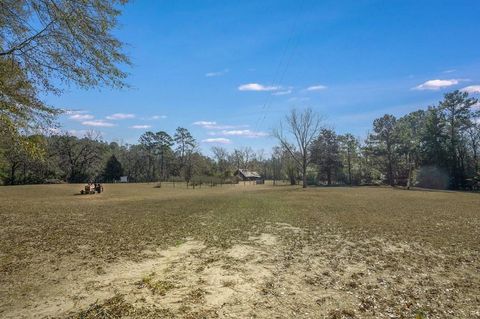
x: 158, y: 117
x: 472, y: 89
x: 72, y: 112
x: 257, y: 87
x: 228, y: 127
x: 140, y: 127
x: 98, y: 123
x: 436, y: 84
x: 205, y: 123
x: 120, y: 116
x: 219, y: 140
x: 244, y: 133
x: 81, y: 117
x: 317, y: 87
x: 212, y: 125
x: 238, y: 132
x: 152, y: 118
x: 219, y: 73
x: 286, y: 92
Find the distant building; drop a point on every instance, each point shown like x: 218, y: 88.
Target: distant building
x: 246, y: 175
x: 123, y: 179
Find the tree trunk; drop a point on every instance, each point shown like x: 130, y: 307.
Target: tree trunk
x: 274, y: 173
x: 162, y: 167
x: 349, y: 171
x: 153, y: 172
x: 453, y: 152
x: 304, y: 174
x: 292, y: 180
x: 390, y: 173
x: 475, y: 158
x: 12, y: 174
x: 24, y: 177
x: 409, y: 177
x: 390, y: 165
x: 461, y: 174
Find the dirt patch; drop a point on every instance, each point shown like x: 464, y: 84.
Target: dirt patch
x: 255, y: 278
x: 282, y: 275
x: 264, y: 239
x: 80, y: 289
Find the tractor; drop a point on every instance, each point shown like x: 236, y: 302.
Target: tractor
x: 91, y: 189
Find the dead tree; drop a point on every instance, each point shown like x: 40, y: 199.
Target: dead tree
x: 296, y: 135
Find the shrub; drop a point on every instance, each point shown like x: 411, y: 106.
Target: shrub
x: 432, y: 177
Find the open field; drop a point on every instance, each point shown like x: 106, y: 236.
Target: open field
x: 238, y: 252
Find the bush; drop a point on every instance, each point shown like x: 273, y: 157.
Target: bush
x: 211, y: 180
x: 53, y: 181
x: 432, y: 177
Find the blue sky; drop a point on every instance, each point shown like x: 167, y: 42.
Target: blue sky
x: 230, y: 70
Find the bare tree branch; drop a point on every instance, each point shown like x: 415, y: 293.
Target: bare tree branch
x: 303, y: 127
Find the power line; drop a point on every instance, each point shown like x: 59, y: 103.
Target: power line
x: 279, y: 75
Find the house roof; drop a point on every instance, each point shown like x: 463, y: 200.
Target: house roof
x: 248, y: 174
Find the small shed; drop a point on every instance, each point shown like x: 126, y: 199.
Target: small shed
x: 246, y: 175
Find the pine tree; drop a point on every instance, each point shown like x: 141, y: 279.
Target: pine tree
x: 113, y: 169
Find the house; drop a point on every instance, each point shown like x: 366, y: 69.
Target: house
x: 246, y: 175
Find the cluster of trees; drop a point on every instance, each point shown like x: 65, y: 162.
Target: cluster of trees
x: 441, y: 144
x: 157, y: 157
x: 437, y: 147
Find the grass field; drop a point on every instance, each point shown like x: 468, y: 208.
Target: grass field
x: 253, y: 251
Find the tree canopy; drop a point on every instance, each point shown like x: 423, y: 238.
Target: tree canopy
x: 46, y: 44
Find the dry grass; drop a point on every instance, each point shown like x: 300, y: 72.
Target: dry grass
x: 324, y: 252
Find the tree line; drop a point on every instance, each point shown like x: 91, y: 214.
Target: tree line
x: 158, y: 156
x: 437, y: 148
